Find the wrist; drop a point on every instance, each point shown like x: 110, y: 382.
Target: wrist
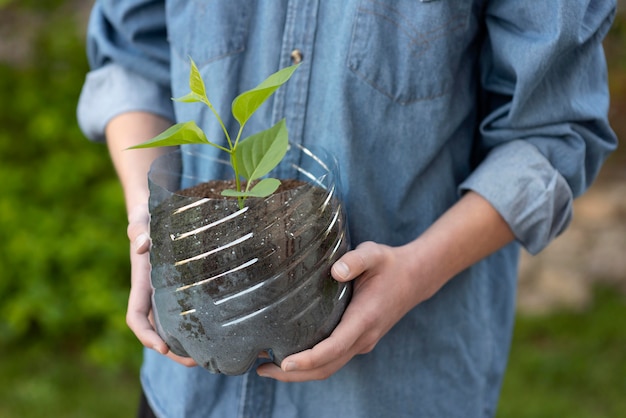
x: 138, y: 212
x: 468, y: 232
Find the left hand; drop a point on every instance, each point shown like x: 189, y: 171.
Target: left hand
x: 384, y: 291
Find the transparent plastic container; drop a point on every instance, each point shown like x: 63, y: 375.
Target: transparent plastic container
x: 230, y: 283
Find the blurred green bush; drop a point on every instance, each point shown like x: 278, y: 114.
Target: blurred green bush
x: 64, y: 269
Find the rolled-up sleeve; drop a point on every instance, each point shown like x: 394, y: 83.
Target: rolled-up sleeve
x: 128, y: 54
x: 544, y: 133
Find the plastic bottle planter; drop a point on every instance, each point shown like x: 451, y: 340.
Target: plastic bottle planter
x: 229, y: 283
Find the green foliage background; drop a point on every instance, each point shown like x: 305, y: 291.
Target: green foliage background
x: 63, y: 259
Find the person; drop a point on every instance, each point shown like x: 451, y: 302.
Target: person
x: 464, y: 130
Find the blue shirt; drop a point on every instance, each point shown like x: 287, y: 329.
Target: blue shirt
x: 419, y: 101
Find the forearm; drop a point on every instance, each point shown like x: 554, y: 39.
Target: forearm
x: 132, y: 166
x: 468, y: 232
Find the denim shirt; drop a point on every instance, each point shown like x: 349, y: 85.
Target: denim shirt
x: 419, y: 101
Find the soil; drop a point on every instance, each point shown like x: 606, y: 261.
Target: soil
x: 213, y: 189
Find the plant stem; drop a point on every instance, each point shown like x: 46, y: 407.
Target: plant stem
x: 238, y: 135
x: 233, y: 162
x: 219, y: 120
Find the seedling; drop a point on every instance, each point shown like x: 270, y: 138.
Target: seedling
x: 252, y: 157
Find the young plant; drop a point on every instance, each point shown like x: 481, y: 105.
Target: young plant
x: 252, y: 157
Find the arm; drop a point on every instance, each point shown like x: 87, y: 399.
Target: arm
x: 544, y: 132
x: 127, y: 130
x: 132, y: 166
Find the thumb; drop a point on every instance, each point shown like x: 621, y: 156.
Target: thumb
x: 353, y: 263
x: 141, y: 243
x: 341, y: 271
x: 138, y: 229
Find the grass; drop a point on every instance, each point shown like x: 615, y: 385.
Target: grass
x: 38, y: 382
x: 569, y: 364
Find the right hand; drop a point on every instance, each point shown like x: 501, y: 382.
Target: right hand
x: 139, y: 312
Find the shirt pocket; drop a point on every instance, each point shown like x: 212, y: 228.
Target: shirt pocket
x: 409, y: 50
x: 208, y: 31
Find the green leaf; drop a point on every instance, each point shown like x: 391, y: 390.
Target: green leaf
x: 196, y: 85
x: 258, y: 154
x: 195, y: 81
x: 179, y: 134
x: 263, y: 188
x: 248, y: 102
x: 190, y: 98
x: 198, y: 94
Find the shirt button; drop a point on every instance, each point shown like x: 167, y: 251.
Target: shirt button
x: 296, y: 56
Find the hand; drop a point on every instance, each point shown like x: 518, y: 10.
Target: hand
x: 138, y: 315
x: 384, y: 291
x: 390, y: 281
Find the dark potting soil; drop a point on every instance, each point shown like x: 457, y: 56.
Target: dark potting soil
x: 213, y: 189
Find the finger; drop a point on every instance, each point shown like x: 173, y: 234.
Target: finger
x: 327, y: 351
x: 141, y: 244
x: 270, y: 370
x: 185, y: 361
x: 138, y: 230
x: 343, y: 341
x: 326, y: 357
x: 140, y: 304
x: 354, y: 263
x: 139, y: 236
x: 138, y: 322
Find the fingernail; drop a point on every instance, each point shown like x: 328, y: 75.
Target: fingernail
x: 341, y: 269
x: 159, y: 349
x: 140, y: 241
x: 290, y: 366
